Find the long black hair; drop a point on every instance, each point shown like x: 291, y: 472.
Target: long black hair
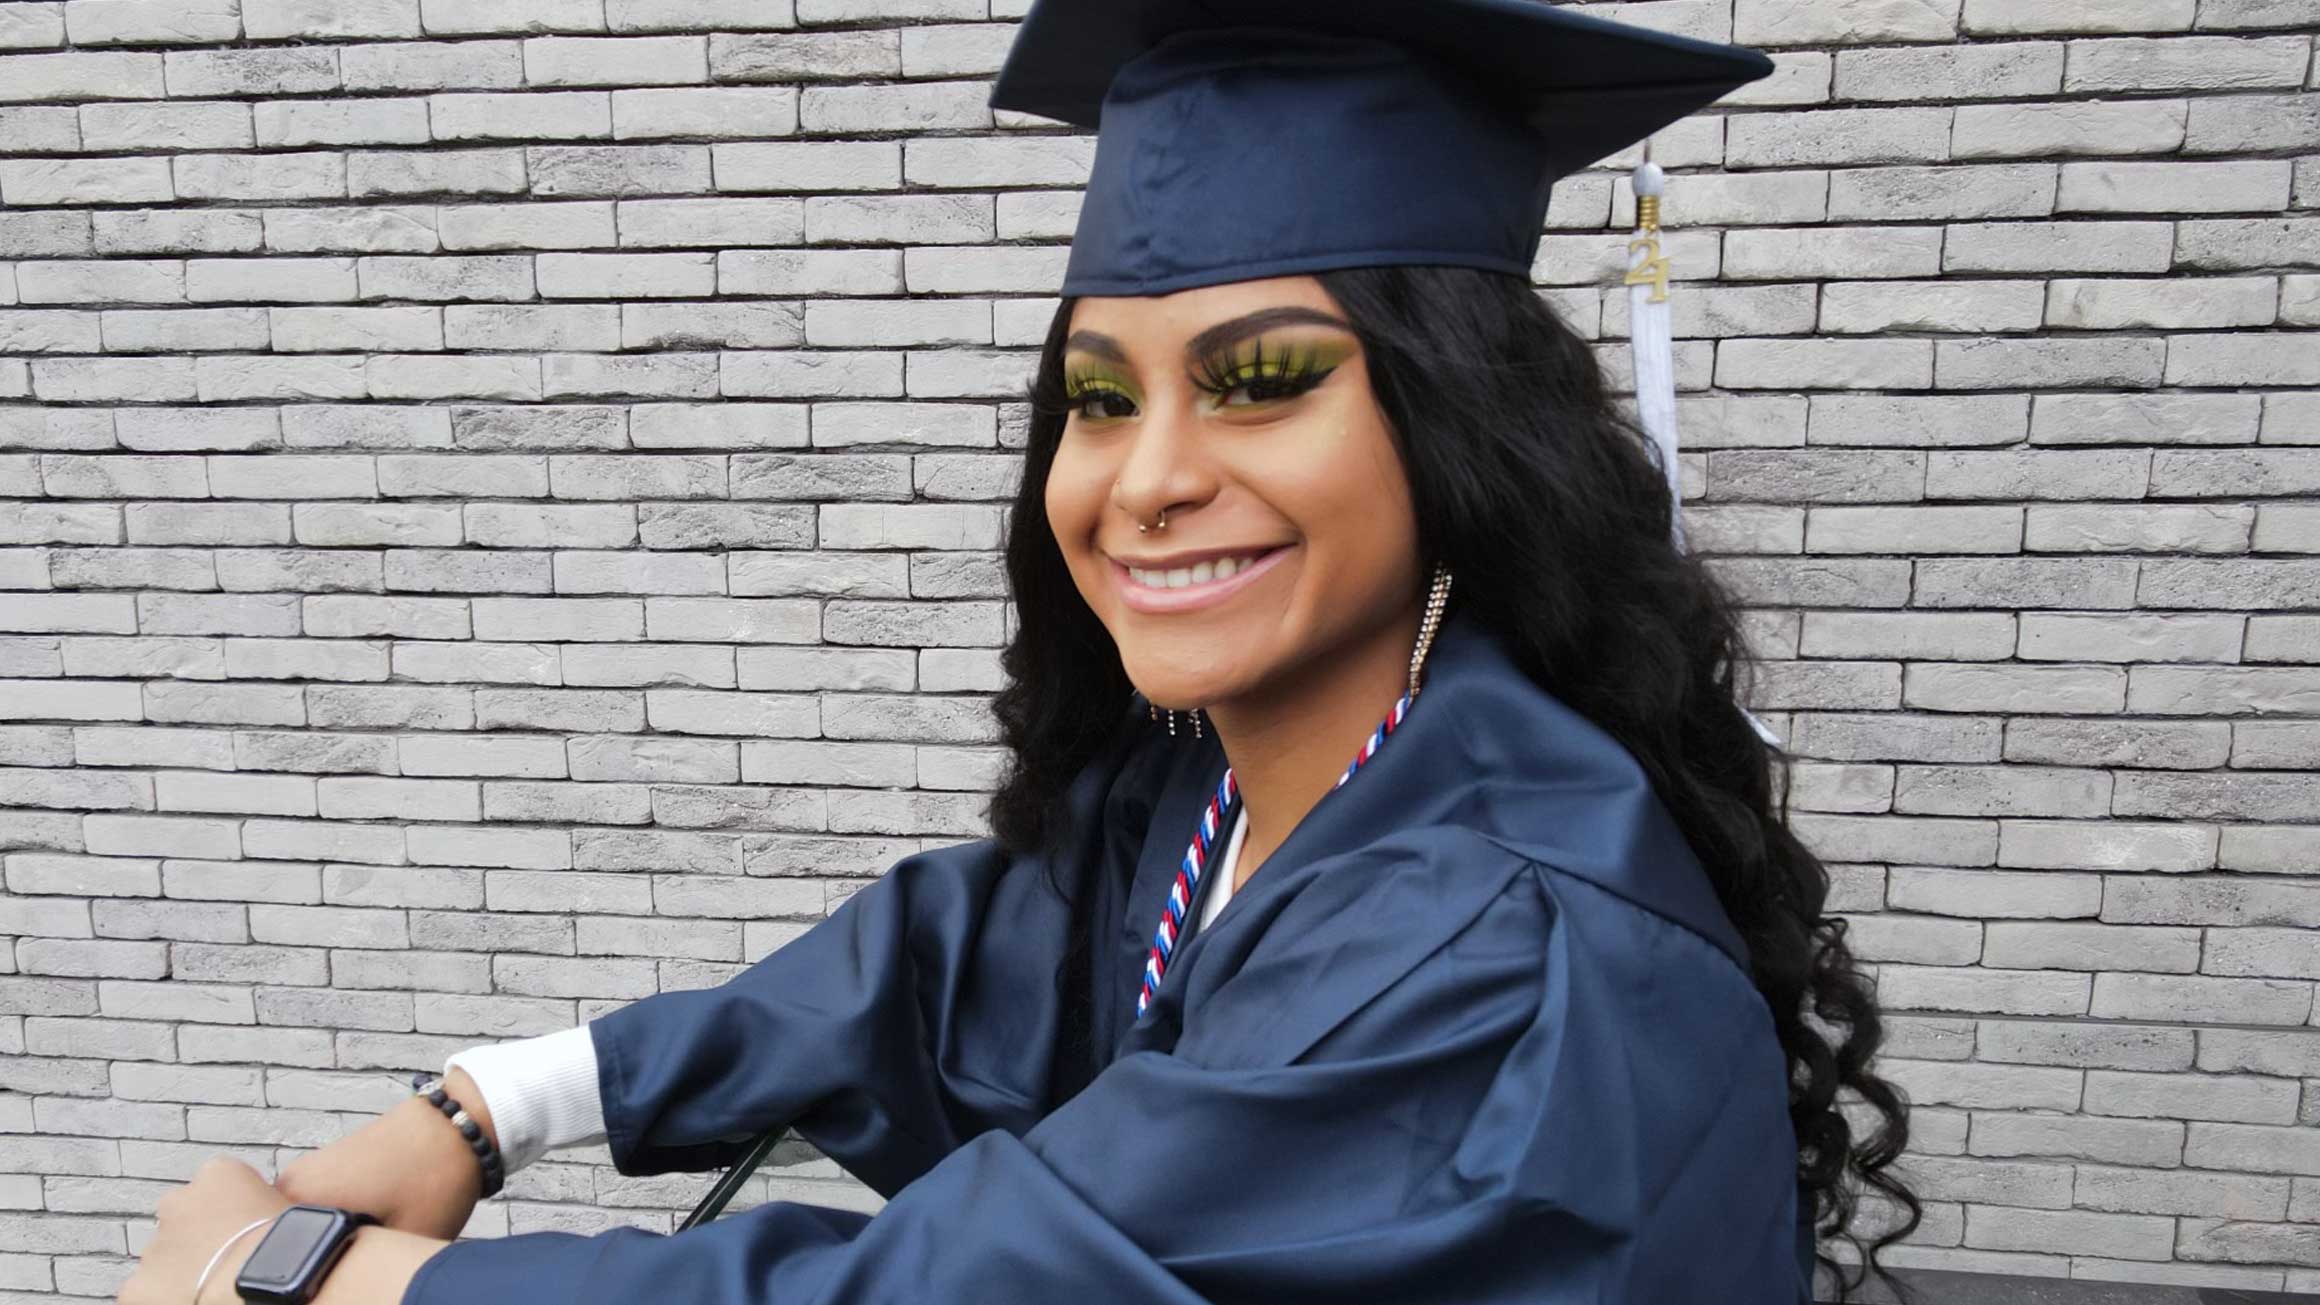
x: 1552, y: 509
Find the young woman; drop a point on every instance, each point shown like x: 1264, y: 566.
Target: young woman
x: 1440, y: 942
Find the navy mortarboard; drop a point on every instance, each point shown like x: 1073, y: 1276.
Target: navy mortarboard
x: 1275, y: 137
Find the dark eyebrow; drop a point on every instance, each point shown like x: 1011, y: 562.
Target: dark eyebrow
x: 1215, y: 338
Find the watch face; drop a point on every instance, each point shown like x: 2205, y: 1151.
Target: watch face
x: 287, y: 1245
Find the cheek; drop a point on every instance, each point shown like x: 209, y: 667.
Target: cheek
x: 1347, y: 493
x: 1075, y: 497
x: 1344, y: 482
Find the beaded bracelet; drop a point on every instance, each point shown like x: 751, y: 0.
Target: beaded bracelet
x: 486, y: 1152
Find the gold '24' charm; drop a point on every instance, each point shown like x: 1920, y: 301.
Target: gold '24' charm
x: 1653, y: 270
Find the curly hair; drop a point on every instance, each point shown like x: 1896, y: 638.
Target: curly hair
x: 1552, y: 508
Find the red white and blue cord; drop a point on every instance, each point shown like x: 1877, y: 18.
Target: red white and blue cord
x: 1220, y: 805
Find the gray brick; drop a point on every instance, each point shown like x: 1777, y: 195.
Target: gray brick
x: 2113, y: 187
x: 2195, y: 999
x: 2111, y: 127
x: 2235, y: 1196
x: 1034, y: 161
x: 84, y: 75
x: 1933, y: 1083
x: 370, y: 798
x: 1981, y: 989
x: 807, y: 166
x: 471, y: 171
x: 2093, y: 247
x: 615, y: 60
x: 618, y: 169
x: 530, y: 115
x: 917, y: 106
x: 601, y: 276
x: 1798, y: 22
x: 1876, y: 306
x: 2266, y: 359
x: 2075, y: 946
x: 666, y: 222
x: 189, y: 125
x: 2153, y: 1143
x: 1949, y: 73
x: 559, y: 709
x: 2186, y: 63
x: 519, y: 525
x: 1995, y: 17
x: 723, y: 15
x: 428, y: 66
x: 2144, y: 419
x: 1968, y: 687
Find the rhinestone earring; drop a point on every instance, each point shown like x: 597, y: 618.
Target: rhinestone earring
x: 1436, y: 600
x: 1153, y: 710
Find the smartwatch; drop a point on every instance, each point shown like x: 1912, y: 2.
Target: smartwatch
x: 291, y: 1259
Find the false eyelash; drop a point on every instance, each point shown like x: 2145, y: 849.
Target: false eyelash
x: 1291, y: 374
x: 1070, y: 396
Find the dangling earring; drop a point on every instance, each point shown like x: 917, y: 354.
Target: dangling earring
x: 1153, y: 709
x: 1436, y: 599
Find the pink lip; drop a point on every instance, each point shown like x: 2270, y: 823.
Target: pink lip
x: 1144, y: 598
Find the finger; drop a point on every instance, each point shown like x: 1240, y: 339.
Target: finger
x: 226, y: 1169
x: 293, y: 1182
x: 232, y: 1180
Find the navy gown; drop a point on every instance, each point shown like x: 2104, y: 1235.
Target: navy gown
x: 1477, y: 1031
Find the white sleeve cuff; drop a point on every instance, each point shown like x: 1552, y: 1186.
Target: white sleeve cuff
x: 541, y: 1092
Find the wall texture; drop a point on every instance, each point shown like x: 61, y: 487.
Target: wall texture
x: 499, y: 499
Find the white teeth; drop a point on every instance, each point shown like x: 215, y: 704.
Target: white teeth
x: 1198, y: 574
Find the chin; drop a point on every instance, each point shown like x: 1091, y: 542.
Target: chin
x: 1172, y: 686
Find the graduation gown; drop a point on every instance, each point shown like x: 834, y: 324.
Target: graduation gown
x: 1479, y: 1032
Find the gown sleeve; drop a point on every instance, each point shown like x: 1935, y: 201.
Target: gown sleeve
x: 922, y: 1012
x: 928, y: 1007
x: 1338, y: 1120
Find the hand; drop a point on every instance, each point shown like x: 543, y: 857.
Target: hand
x: 191, y: 1223
x: 409, y: 1167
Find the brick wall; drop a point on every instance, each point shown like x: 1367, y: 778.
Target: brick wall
x: 499, y: 500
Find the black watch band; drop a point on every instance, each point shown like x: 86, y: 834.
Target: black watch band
x: 296, y: 1253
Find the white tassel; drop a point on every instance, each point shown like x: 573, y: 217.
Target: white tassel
x: 1649, y: 334
x: 1650, y: 340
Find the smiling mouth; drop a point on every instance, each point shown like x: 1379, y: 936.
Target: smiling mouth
x: 1199, y: 573
x: 1182, y: 589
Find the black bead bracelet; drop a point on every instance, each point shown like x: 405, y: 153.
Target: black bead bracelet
x: 486, y: 1152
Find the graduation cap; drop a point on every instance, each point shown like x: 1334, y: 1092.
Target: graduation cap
x: 1250, y: 138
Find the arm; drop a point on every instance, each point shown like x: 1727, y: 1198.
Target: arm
x: 871, y: 966
x: 531, y: 1095
x: 923, y: 1011
x: 1374, y: 1170
x: 858, y: 989
x: 927, y: 1008
x: 409, y: 1167
x: 878, y: 996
